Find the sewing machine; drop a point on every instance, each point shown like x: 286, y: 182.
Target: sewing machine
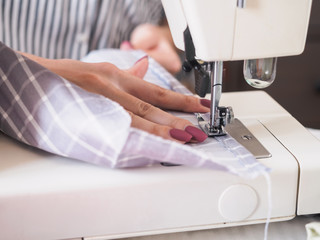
x: 43, y: 196
x: 257, y: 32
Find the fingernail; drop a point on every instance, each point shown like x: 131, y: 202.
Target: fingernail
x: 180, y: 135
x: 140, y: 59
x: 196, y: 133
x: 205, y: 102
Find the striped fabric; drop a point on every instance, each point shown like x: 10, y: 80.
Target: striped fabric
x: 43, y: 110
x: 72, y: 28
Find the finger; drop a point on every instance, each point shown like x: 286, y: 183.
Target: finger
x: 157, y: 116
x: 165, y: 98
x: 163, y: 53
x: 145, y: 36
x: 152, y: 39
x: 147, y: 111
x: 152, y: 93
x: 160, y: 130
x: 140, y: 68
x: 166, y: 55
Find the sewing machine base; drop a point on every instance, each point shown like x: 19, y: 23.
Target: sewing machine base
x: 43, y: 196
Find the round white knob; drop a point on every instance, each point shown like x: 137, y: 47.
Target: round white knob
x: 238, y: 202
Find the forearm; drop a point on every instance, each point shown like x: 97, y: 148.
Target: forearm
x: 51, y: 64
x: 62, y: 67
x: 42, y: 61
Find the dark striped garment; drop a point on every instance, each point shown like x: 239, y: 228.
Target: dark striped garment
x: 72, y: 28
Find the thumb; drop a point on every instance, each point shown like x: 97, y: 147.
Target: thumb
x: 140, y: 68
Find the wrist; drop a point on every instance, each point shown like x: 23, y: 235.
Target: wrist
x: 54, y: 65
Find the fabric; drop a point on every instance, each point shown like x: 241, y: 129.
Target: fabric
x: 35, y: 107
x: 313, y: 231
x: 72, y: 28
x: 234, y: 157
x: 43, y: 110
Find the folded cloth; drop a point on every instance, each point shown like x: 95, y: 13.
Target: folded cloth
x: 44, y: 110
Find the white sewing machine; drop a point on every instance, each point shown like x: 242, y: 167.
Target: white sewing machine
x: 213, y: 31
x: 43, y: 196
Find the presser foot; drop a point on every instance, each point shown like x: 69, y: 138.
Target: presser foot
x: 240, y: 133
x: 211, y: 131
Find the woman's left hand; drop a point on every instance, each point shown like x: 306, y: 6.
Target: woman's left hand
x: 157, y: 42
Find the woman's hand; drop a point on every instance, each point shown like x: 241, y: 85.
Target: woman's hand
x: 141, y: 99
x: 157, y: 42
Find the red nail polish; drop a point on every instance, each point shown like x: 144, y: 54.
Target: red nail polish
x: 180, y: 135
x: 205, y: 102
x: 196, y: 133
x: 146, y: 56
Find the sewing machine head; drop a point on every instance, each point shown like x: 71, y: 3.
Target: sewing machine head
x: 256, y: 31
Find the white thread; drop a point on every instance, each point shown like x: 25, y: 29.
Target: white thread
x: 268, y: 180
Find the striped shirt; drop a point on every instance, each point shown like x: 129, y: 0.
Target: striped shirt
x: 72, y: 28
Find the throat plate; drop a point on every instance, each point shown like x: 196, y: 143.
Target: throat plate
x: 242, y: 134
